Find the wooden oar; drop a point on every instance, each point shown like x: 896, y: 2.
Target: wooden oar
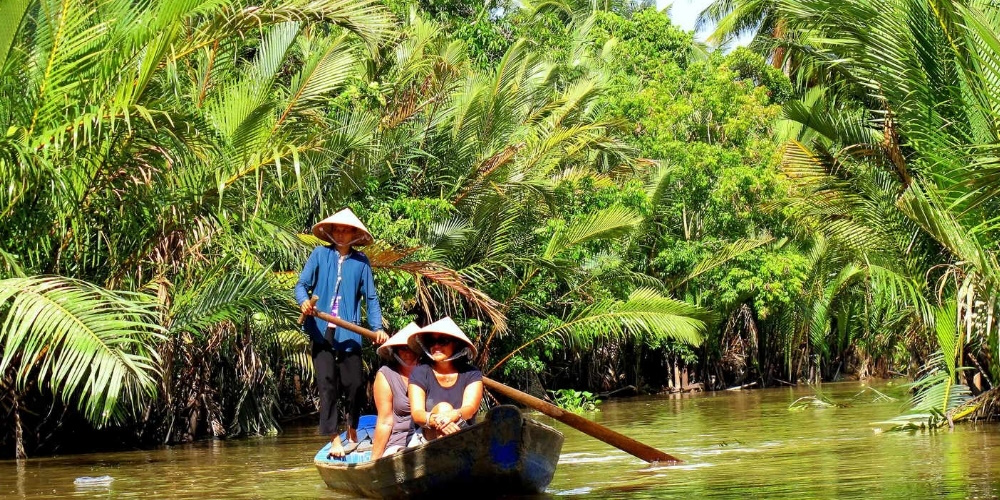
x: 329, y: 318
x: 620, y: 441
x: 594, y: 430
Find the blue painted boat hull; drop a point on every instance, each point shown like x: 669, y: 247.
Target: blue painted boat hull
x: 504, y: 454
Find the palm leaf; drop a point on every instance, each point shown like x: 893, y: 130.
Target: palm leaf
x: 646, y: 312
x: 90, y: 346
x: 608, y: 223
x: 221, y: 294
x: 294, y: 347
x: 11, y: 12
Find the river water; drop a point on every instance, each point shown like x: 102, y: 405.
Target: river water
x: 735, y: 444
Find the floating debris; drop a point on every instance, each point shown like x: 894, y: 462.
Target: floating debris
x: 91, y: 482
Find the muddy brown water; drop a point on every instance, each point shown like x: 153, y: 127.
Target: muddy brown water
x: 736, y: 444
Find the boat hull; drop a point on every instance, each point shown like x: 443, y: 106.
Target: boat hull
x: 504, y: 454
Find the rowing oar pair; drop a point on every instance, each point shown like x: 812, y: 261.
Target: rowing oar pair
x: 618, y: 440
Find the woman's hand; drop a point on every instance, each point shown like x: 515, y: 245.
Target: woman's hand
x: 447, y: 421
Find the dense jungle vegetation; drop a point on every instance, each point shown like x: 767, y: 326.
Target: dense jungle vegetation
x: 598, y: 199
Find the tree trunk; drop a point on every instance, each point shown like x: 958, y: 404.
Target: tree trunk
x: 677, y: 374
x: 18, y: 428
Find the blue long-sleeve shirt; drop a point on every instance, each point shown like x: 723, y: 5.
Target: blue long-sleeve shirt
x: 319, y: 277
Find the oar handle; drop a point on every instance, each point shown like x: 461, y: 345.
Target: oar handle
x: 592, y: 429
x: 329, y: 318
x: 349, y: 326
x: 312, y: 302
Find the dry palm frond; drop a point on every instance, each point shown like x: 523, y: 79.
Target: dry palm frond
x: 451, y: 280
x: 384, y: 257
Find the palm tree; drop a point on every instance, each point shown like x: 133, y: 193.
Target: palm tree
x: 894, y: 147
x: 135, y: 135
x: 494, y: 146
x: 735, y: 19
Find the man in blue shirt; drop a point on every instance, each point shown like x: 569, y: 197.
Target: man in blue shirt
x: 340, y: 277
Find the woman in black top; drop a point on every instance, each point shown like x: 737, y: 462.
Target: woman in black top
x: 445, y: 393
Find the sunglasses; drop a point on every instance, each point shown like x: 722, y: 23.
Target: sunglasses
x: 432, y: 340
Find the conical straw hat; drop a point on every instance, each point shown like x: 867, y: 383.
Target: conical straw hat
x: 345, y: 217
x: 399, y: 339
x: 443, y: 326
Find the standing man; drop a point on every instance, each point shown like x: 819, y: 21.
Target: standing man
x: 340, y: 276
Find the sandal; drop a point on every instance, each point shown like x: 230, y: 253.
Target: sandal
x: 350, y: 447
x: 364, y: 446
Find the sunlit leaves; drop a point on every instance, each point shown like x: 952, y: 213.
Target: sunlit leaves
x: 645, y: 312
x: 89, y: 346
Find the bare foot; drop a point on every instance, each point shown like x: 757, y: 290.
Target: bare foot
x: 336, y: 449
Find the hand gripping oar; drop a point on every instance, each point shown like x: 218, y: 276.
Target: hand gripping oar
x: 329, y: 318
x: 594, y: 430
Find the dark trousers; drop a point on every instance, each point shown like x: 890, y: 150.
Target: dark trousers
x: 338, y: 373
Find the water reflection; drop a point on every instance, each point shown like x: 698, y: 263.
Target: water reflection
x: 735, y: 445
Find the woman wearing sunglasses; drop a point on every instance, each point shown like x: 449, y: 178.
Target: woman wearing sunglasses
x: 444, y: 393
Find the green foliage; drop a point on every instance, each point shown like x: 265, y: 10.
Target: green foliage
x: 753, y: 67
x: 551, y: 178
x: 576, y: 401
x: 88, y: 346
x: 883, y: 170
x: 647, y: 43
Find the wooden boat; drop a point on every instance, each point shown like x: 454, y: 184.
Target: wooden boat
x: 506, y: 453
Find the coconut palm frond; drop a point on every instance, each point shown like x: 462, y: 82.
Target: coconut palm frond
x: 293, y: 347
x: 258, y: 244
x: 658, y: 187
x: 90, y: 346
x: 9, y: 266
x: 220, y: 294
x: 734, y: 19
x: 818, y: 316
x: 607, y: 223
x: 12, y: 12
x: 646, y: 312
x: 924, y: 208
x: 69, y: 37
x: 321, y: 74
x: 368, y: 19
x: 901, y: 289
x: 452, y: 281
x: 726, y: 254
x: 938, y: 393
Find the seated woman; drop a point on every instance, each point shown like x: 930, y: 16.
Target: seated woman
x: 394, y: 427
x: 445, y: 393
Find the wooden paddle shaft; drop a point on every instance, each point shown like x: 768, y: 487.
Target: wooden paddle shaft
x: 594, y: 430
x: 348, y: 325
x: 329, y: 318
